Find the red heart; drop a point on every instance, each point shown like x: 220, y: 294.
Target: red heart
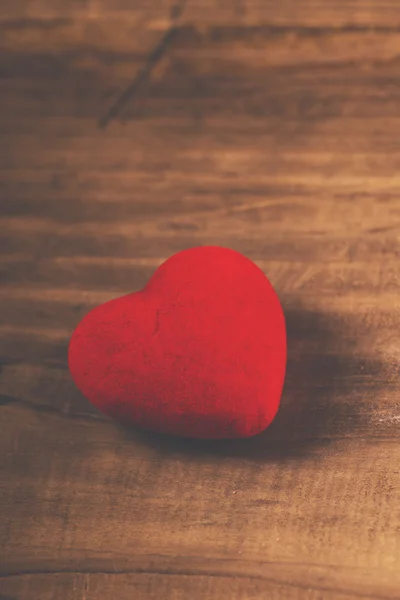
x: 199, y: 352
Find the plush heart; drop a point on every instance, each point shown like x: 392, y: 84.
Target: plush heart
x: 199, y: 352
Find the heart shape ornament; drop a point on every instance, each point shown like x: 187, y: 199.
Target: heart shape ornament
x: 200, y: 352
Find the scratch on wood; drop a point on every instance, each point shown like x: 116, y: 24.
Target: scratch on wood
x: 49, y: 409
x: 154, y: 57
x: 86, y: 586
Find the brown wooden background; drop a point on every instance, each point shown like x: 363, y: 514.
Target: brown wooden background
x: 272, y: 127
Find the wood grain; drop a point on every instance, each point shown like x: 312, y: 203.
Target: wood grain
x: 269, y: 127
x: 303, y: 13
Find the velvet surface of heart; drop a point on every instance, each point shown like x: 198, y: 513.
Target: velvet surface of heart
x: 199, y: 352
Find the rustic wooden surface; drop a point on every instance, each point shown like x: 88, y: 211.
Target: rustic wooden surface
x: 272, y: 127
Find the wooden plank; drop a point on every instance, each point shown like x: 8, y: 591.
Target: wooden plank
x: 107, y: 276
x: 296, y: 34
x: 296, y: 13
x: 330, y: 344
x: 259, y: 507
x: 96, y: 37
x: 149, y: 586
x: 139, y: 10
x: 286, y: 13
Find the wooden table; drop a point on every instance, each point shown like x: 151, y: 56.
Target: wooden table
x: 269, y: 126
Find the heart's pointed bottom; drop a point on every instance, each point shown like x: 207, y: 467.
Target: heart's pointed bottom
x: 196, y: 426
x: 211, y: 434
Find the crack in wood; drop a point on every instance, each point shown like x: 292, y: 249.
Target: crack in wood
x: 6, y: 400
x: 195, y: 573
x: 152, y: 60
